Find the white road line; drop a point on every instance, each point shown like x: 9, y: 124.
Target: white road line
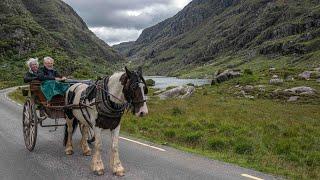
x: 160, y: 149
x: 251, y: 177
x: 18, y: 104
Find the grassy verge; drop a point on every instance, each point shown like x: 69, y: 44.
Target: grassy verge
x: 269, y: 135
x: 17, y: 96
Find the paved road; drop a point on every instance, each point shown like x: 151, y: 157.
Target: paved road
x: 48, y: 160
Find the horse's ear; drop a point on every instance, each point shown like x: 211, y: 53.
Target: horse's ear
x: 140, y: 70
x: 128, y: 72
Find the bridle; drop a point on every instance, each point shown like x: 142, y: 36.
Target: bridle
x: 132, y: 87
x: 128, y: 95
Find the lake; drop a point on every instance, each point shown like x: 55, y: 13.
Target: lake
x: 163, y: 82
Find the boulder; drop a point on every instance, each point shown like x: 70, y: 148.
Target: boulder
x: 178, y: 92
x: 305, y: 75
x: 248, y: 88
x: 301, y: 90
x: 293, y: 98
x: 226, y: 75
x: 276, y: 80
x: 261, y: 88
x: 317, y: 69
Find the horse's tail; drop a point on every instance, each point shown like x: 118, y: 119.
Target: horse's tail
x: 74, y: 127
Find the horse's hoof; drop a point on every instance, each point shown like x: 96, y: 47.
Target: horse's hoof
x: 99, y: 172
x: 69, y: 152
x: 87, y: 153
x: 120, y: 173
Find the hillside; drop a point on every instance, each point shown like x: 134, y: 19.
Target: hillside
x: 208, y: 35
x: 33, y: 28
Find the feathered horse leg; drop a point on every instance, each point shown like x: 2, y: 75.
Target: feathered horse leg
x: 68, y: 136
x: 84, y: 140
x: 96, y: 162
x: 115, y: 163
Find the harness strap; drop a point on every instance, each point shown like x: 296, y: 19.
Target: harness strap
x: 81, y: 107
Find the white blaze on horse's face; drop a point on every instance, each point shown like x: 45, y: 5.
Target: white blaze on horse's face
x: 143, y: 109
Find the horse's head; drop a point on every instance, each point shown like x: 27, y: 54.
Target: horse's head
x: 135, y: 90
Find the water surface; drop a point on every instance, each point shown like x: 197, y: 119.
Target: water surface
x: 163, y: 82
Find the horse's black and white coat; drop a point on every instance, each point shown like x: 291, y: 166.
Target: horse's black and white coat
x: 118, y: 91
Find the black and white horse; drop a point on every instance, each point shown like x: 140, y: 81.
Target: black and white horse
x: 101, y: 107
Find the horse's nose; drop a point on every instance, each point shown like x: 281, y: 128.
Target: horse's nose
x: 141, y: 114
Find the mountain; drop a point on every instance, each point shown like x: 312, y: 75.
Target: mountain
x: 208, y: 35
x: 38, y: 28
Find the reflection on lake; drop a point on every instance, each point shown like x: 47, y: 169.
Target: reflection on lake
x: 163, y: 82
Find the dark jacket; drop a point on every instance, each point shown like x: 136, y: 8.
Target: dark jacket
x: 28, y: 77
x: 48, y: 74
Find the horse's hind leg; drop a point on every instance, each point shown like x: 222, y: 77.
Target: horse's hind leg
x: 69, y: 148
x: 84, y: 140
x: 96, y: 163
x: 115, y: 162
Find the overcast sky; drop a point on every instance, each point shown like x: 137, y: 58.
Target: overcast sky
x: 116, y: 21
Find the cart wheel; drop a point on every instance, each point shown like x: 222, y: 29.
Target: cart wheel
x: 29, y: 123
x: 91, y: 137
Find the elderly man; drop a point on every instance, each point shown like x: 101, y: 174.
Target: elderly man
x: 47, y: 71
x: 51, y: 86
x: 33, y: 73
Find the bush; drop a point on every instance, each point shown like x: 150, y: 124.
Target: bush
x: 248, y: 72
x: 150, y: 82
x: 192, y: 137
x: 243, y: 147
x: 216, y: 144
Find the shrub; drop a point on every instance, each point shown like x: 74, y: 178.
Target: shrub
x: 192, y: 137
x: 150, y: 82
x: 248, y: 72
x: 243, y: 147
x: 216, y: 144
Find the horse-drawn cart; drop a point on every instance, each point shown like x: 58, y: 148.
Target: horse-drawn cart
x: 36, y: 102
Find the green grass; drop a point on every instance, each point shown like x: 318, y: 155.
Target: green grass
x: 269, y: 135
x: 17, y: 96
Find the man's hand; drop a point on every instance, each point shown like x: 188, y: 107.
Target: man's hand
x: 60, y: 79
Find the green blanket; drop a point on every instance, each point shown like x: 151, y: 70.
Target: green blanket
x: 51, y: 88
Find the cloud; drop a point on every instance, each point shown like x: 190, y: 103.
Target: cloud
x: 133, y: 15
x: 116, y: 35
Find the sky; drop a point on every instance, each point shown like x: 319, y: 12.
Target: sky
x: 116, y: 21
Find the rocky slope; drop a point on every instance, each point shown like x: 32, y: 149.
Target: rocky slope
x: 33, y: 28
x: 233, y: 33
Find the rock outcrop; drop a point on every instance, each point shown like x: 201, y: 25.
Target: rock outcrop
x: 178, y: 92
x: 301, y: 90
x: 225, y: 76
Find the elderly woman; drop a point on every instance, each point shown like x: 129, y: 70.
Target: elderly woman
x: 33, y: 73
x: 47, y: 71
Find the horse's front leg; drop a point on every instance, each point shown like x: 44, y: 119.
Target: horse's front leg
x: 68, y: 133
x: 96, y: 163
x: 84, y: 140
x: 115, y: 162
